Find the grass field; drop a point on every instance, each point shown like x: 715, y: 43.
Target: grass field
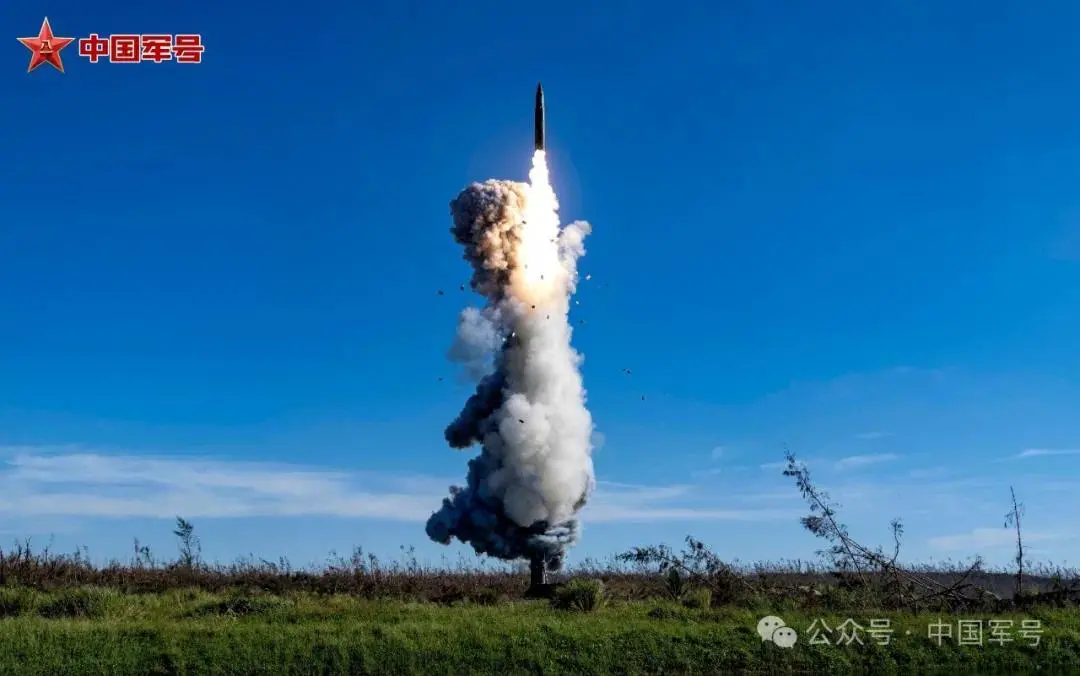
x: 187, y: 631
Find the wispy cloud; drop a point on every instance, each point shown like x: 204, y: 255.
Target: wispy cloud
x: 871, y: 436
x: 599, y: 512
x: 770, y: 496
x: 986, y: 538
x: 718, y: 452
x: 642, y: 494
x: 1043, y: 452
x: 74, y: 482
x: 780, y: 465
x: 636, y: 503
x: 928, y: 473
x: 1059, y: 486
x: 854, y: 461
x: 95, y: 485
x: 714, y: 471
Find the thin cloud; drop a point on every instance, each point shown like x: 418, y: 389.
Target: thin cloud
x: 718, y: 452
x: 928, y: 473
x: 1045, y: 452
x: 97, y: 485
x: 1060, y: 486
x: 853, y: 461
x: 636, y: 503
x: 641, y: 494
x: 871, y: 436
x: 986, y: 538
x: 76, y: 482
x: 781, y: 465
x: 713, y: 471
x: 601, y: 513
x: 770, y: 496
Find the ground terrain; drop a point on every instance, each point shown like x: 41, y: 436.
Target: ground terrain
x: 356, y: 616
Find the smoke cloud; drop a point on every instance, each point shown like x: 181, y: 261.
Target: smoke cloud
x: 535, y: 470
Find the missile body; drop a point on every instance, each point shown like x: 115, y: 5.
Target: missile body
x: 538, y: 118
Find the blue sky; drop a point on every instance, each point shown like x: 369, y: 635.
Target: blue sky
x: 852, y: 230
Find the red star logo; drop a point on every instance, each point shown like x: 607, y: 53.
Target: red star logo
x: 46, y: 48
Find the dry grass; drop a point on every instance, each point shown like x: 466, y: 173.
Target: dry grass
x: 635, y: 576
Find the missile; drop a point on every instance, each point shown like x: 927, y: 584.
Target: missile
x: 538, y: 118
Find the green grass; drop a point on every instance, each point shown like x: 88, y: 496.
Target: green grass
x: 97, y: 631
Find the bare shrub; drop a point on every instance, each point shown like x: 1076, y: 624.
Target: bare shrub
x: 696, y: 563
x: 877, y: 574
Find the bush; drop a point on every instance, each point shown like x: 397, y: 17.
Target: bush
x: 698, y: 598
x: 485, y: 597
x: 666, y: 613
x: 86, y: 602
x: 676, y: 586
x: 243, y: 605
x: 583, y: 595
x: 15, y: 601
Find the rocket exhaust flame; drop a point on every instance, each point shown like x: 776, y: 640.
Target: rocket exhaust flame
x: 535, y: 470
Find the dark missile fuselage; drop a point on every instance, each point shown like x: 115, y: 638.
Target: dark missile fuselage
x: 538, y: 119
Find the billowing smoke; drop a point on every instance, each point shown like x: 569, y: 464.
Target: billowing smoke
x: 535, y: 469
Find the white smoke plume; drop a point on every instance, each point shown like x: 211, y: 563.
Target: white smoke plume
x: 535, y: 469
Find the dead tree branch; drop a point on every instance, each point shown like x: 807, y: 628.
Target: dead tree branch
x: 873, y: 568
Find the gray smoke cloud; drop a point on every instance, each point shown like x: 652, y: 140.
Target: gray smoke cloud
x: 535, y: 470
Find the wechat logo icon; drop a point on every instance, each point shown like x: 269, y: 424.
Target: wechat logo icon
x: 772, y: 628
